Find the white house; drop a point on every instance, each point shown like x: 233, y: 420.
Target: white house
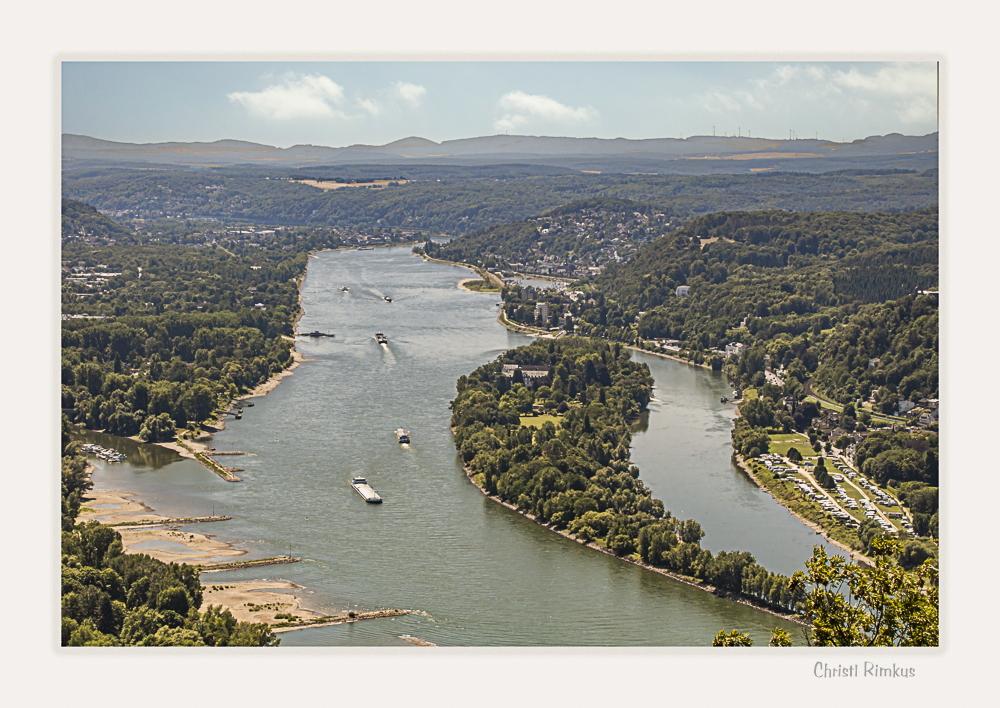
x: 683, y: 290
x: 904, y: 406
x: 735, y: 349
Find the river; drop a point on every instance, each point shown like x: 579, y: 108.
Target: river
x: 476, y: 573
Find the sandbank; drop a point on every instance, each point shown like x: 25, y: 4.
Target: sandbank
x: 199, y: 547
x: 240, y: 598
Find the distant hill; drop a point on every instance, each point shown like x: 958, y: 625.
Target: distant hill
x: 694, y: 155
x: 81, y: 220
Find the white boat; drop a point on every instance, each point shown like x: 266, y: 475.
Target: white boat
x: 403, y: 436
x: 361, y: 486
x: 381, y: 338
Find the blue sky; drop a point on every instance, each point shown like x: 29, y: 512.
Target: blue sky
x: 344, y: 103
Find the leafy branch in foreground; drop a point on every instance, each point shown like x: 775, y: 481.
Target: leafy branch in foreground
x: 882, y: 606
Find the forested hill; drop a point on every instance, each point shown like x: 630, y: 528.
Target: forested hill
x: 768, y: 265
x: 457, y: 206
x: 81, y: 220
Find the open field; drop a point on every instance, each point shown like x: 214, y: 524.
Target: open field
x: 537, y: 421
x: 374, y: 184
x: 780, y: 443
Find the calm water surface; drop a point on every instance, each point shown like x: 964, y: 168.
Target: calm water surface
x: 477, y: 573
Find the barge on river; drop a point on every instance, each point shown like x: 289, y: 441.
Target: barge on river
x: 361, y: 486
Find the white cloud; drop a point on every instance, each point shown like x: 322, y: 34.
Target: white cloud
x: 371, y: 106
x: 911, y: 87
x: 521, y: 107
x: 907, y: 90
x: 410, y: 93
x: 296, y: 97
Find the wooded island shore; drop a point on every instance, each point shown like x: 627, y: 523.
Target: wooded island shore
x: 692, y: 582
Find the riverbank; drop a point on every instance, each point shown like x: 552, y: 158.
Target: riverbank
x: 693, y: 582
x: 497, y: 282
x: 670, y: 356
x: 159, y: 535
x: 276, y: 604
x: 853, y: 554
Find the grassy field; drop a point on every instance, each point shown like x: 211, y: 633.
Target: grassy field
x: 537, y: 421
x: 781, y: 442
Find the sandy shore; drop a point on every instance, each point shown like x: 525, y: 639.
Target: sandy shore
x: 121, y: 507
x: 118, y: 507
x: 261, y: 601
x: 240, y: 598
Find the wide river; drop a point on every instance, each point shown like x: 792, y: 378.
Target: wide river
x: 476, y: 574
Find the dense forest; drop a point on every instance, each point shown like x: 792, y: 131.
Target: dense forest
x: 573, y: 471
x: 460, y: 205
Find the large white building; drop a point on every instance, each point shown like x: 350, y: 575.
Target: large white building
x: 542, y: 312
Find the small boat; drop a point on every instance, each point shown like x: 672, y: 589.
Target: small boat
x: 239, y: 414
x: 365, y: 248
x: 361, y: 486
x: 345, y: 289
x: 250, y: 404
x: 387, y: 298
x: 403, y: 436
x: 723, y: 400
x: 381, y: 338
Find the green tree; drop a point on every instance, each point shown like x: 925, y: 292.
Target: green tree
x: 158, y: 428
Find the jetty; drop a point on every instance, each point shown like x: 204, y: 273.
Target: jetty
x: 172, y: 521
x: 220, y: 567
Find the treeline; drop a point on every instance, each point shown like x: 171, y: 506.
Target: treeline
x: 113, y: 599
x: 458, y: 205
x: 577, y: 475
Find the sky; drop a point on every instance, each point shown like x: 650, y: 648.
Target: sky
x: 345, y: 103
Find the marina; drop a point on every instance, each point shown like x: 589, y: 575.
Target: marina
x: 104, y: 453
